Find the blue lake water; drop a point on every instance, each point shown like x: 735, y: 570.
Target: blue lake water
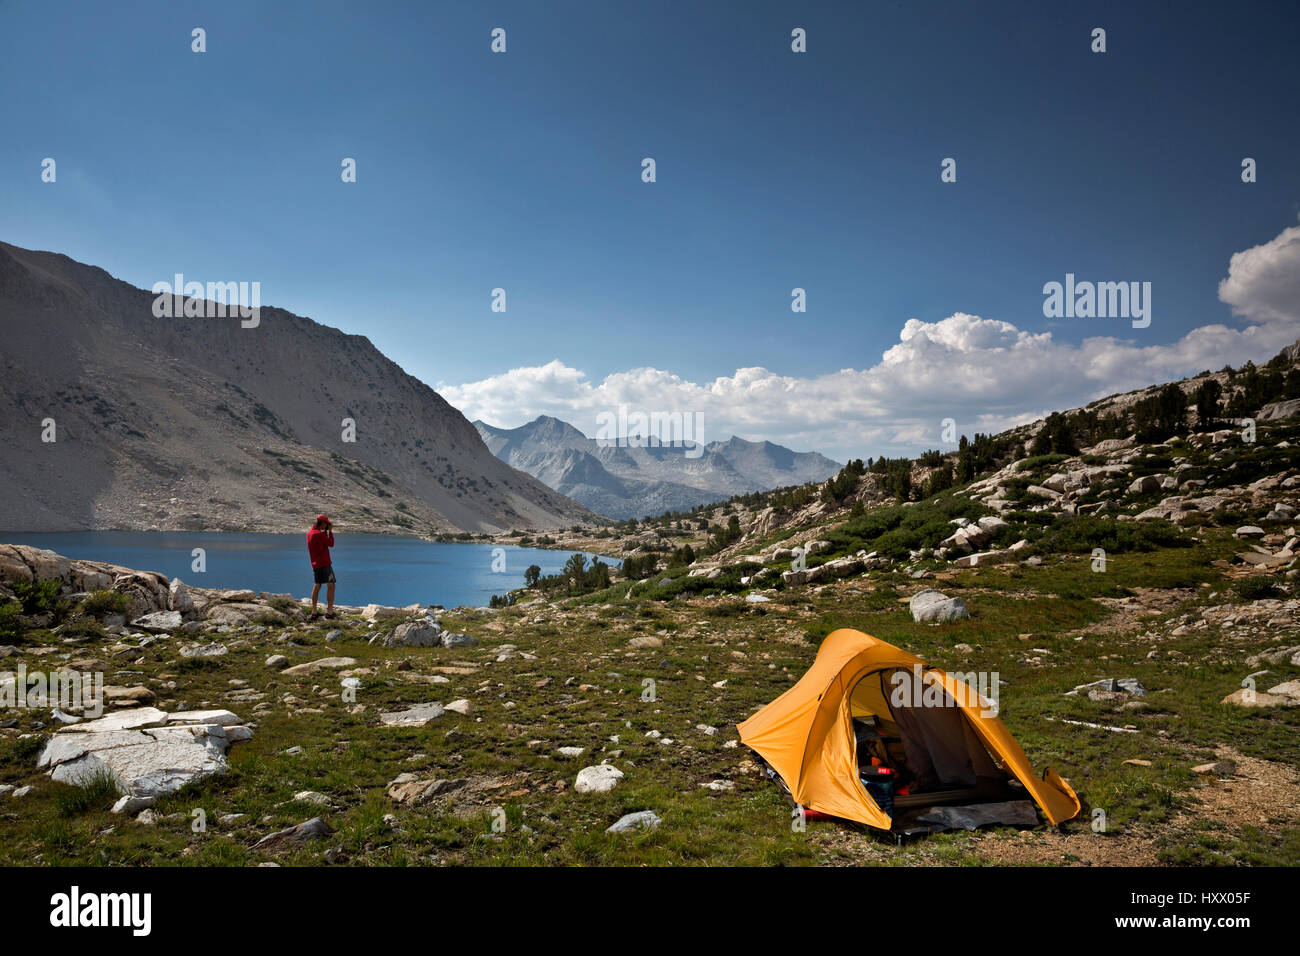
x: 371, y: 568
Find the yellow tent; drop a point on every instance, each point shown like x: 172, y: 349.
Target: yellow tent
x: 807, y: 735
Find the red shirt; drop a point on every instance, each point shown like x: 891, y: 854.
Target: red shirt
x: 318, y: 547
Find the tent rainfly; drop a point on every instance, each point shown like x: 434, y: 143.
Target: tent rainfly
x: 944, y: 736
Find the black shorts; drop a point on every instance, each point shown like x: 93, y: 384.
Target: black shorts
x: 325, y: 575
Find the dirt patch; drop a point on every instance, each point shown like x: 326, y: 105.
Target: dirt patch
x: 1133, y: 847
x: 1129, y: 613
x: 1260, y: 793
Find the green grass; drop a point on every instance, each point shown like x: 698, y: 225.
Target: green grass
x: 1037, y: 627
x: 99, y: 792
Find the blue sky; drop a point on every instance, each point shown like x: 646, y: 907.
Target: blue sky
x: 775, y: 170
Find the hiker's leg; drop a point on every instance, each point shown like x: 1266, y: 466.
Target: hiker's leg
x: 329, y: 596
x: 315, y: 596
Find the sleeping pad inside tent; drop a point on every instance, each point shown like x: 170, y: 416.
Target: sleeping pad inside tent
x: 872, y: 733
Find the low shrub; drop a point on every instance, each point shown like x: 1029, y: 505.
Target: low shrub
x: 1083, y: 533
x: 83, y: 628
x: 1256, y: 588
x: 896, y: 530
x: 104, y: 602
x: 11, y: 625
x: 41, y: 597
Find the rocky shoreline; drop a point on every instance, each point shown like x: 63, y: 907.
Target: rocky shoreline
x: 136, y: 749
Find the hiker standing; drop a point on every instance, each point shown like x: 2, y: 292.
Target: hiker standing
x: 319, y: 541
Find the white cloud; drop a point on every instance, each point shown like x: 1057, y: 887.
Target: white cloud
x: 987, y: 374
x: 1263, y: 282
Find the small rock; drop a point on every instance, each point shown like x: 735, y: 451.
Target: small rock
x: 598, y: 779
x: 132, y: 805
x: 377, y: 612
x: 1111, y: 689
x: 204, y: 650
x: 311, y: 667
x: 1289, y: 689
x: 644, y: 820
x: 128, y: 696
x: 411, y: 634
x: 410, y: 791
x: 417, y: 716
x: 1244, y: 697
x: 159, y: 622
x: 1223, y: 768
x: 312, y: 829
x: 933, y: 607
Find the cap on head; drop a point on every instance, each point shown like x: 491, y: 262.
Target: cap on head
x: 322, y: 519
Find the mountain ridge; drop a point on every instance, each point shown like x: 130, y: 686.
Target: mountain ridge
x: 626, y: 481
x: 200, y: 423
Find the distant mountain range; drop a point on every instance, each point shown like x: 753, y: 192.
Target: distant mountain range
x: 193, y: 423
x: 623, y: 481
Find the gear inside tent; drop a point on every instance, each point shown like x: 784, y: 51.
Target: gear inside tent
x: 873, y: 734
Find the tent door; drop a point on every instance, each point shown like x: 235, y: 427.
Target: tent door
x: 943, y: 759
